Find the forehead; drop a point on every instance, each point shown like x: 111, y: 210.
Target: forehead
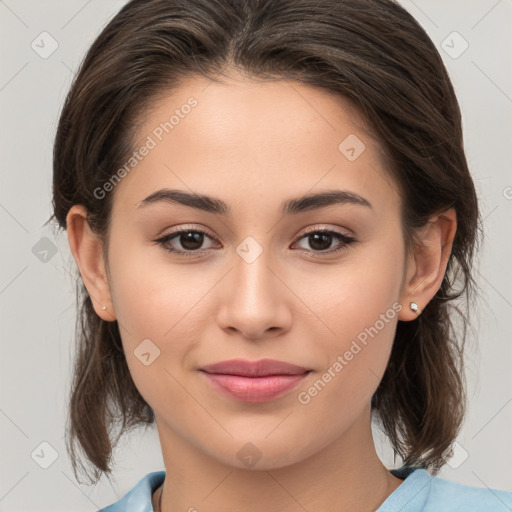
x: 255, y: 140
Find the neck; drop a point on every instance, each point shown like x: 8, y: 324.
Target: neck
x: 345, y: 475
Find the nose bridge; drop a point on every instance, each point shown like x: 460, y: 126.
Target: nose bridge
x: 254, y: 282
x: 253, y: 300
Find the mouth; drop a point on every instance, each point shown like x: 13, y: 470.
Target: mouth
x: 254, y: 382
x: 261, y: 368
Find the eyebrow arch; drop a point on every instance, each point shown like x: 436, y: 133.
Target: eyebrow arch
x: 289, y: 207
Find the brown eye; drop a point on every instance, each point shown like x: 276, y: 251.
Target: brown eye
x: 189, y: 241
x: 320, y: 241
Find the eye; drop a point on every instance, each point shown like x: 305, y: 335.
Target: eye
x: 321, y: 239
x: 191, y: 241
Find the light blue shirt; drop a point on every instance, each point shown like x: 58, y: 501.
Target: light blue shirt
x: 419, y: 492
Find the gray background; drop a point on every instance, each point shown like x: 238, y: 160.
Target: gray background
x: 36, y: 272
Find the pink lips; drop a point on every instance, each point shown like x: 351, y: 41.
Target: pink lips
x: 257, y: 381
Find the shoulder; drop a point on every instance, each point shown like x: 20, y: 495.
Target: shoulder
x: 138, y: 498
x: 446, y: 495
x: 421, y: 492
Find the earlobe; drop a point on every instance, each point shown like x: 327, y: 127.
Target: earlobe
x: 87, y: 250
x: 427, y: 266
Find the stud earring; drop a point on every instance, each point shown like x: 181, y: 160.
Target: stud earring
x: 415, y: 307
x: 103, y: 307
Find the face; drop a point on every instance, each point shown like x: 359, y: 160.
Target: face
x: 316, y: 285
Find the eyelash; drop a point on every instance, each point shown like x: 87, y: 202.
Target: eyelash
x: 346, y: 239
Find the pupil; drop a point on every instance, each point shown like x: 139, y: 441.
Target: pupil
x: 322, y: 238
x: 191, y: 240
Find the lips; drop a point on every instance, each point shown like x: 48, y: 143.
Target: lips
x: 254, y: 382
x: 261, y: 368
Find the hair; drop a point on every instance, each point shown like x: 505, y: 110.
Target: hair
x: 370, y: 53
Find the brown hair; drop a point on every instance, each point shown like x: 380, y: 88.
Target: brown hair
x: 371, y: 53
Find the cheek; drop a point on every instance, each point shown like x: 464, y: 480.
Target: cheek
x: 354, y: 362
x: 361, y: 292
x: 151, y: 297
x: 156, y: 301
x: 361, y: 311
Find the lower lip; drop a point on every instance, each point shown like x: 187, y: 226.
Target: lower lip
x: 254, y: 389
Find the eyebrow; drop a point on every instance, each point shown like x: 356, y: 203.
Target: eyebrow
x: 289, y: 207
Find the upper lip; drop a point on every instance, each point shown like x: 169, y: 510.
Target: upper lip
x: 261, y: 368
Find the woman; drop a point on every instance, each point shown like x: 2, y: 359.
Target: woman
x: 272, y: 214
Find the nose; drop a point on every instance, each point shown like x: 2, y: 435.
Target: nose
x: 255, y: 299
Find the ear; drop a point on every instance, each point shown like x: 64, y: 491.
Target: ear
x: 426, y: 267
x: 87, y: 249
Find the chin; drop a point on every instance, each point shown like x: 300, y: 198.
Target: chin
x: 262, y: 454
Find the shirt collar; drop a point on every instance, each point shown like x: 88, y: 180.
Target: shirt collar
x: 411, y: 494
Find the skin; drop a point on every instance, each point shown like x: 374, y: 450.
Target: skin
x: 253, y: 145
